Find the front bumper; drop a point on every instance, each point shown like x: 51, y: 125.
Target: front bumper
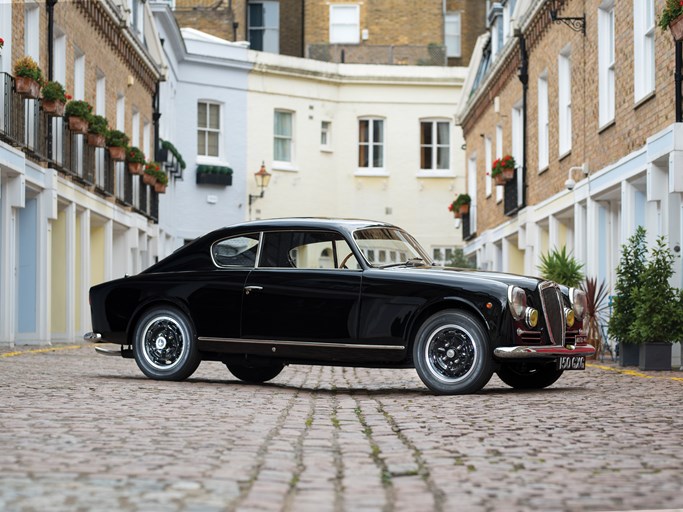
x: 543, y: 352
x: 94, y: 337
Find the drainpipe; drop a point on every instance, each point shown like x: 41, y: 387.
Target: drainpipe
x: 155, y: 118
x: 524, y: 78
x: 50, y: 6
x: 678, y: 74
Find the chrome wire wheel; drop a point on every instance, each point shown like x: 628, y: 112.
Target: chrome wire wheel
x: 450, y: 353
x: 164, y: 342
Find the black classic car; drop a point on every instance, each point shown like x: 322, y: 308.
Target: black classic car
x: 261, y: 295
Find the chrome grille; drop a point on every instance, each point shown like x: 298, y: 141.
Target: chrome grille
x: 553, y: 312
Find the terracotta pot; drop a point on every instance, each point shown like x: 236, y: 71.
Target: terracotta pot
x: 676, y: 27
x: 53, y: 107
x: 508, y: 174
x: 464, y: 209
x: 149, y: 179
x: 78, y: 125
x: 135, y: 168
x: 499, y: 179
x: 96, y: 140
x: 27, y: 87
x: 116, y: 153
x: 159, y: 188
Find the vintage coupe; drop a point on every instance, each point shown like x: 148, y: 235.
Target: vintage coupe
x: 264, y: 294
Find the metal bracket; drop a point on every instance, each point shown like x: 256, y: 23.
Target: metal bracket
x: 577, y: 24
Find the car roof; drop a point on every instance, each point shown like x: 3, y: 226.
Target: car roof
x: 339, y: 224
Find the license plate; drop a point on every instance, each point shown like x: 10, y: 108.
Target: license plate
x: 571, y: 363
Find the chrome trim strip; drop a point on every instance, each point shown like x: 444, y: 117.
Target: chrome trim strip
x: 302, y: 343
x: 108, y: 351
x: 543, y: 351
x: 94, y: 337
x: 551, y: 334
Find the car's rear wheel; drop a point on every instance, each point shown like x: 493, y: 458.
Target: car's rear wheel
x: 164, y: 344
x: 255, y: 374
x: 452, y: 354
x: 529, y: 375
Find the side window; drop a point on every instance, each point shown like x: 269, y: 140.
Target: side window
x: 307, y: 250
x: 239, y: 251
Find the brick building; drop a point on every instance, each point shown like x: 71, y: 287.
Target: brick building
x: 430, y: 32
x: 586, y: 106
x: 70, y: 216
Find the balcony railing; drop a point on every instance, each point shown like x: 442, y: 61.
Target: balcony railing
x: 407, y: 55
x: 512, y: 198
x: 25, y: 125
x: 467, y: 233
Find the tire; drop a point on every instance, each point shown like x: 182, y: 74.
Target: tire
x: 452, y: 353
x: 255, y: 374
x: 164, y: 344
x: 529, y: 375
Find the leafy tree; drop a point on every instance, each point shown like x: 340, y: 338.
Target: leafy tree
x: 561, y: 267
x: 629, y: 278
x: 459, y: 260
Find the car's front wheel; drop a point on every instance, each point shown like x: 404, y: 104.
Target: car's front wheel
x: 255, y: 374
x: 451, y: 353
x: 529, y: 375
x: 164, y: 344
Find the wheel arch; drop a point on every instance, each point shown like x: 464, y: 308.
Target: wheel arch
x: 143, y: 308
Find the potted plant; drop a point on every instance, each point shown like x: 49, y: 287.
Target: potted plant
x: 78, y: 112
x: 214, y: 175
x: 561, y: 267
x: 28, y: 77
x: 672, y: 18
x: 98, y: 126
x: 151, y: 172
x: 657, y: 322
x: 54, y: 99
x: 117, y: 141
x: 136, y: 160
x: 463, y: 202
x: 162, y: 182
x: 595, y: 308
x: 503, y: 169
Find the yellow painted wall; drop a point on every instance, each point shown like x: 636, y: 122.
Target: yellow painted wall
x: 516, y: 259
x: 79, y: 262
x: 58, y: 297
x: 96, y: 255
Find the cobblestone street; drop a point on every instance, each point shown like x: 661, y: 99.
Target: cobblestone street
x: 80, y: 431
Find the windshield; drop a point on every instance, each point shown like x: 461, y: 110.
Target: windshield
x: 384, y: 247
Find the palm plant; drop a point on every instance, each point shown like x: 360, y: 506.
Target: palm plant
x: 561, y: 267
x: 595, y: 308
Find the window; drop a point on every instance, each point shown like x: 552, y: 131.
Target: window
x: 264, y: 26
x: 518, y: 147
x: 371, y: 144
x: 236, y: 252
x: 543, y: 132
x: 208, y: 128
x: 499, y: 154
x: 489, y: 164
x: 564, y: 85
x: 435, y: 145
x: 472, y: 191
x: 442, y: 256
x: 283, y: 136
x: 326, y: 134
x: 643, y: 48
x: 307, y: 250
x: 345, y: 24
x: 606, y: 62
x: 136, y: 19
x: 452, y: 34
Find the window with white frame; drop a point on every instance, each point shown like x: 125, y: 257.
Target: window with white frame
x: 518, y: 146
x: 606, y: 91
x: 371, y: 144
x: 326, y: 135
x: 208, y: 128
x: 543, y: 130
x: 564, y: 93
x: 499, y: 155
x: 435, y: 145
x: 283, y: 140
x: 442, y: 255
x: 264, y: 26
x: 452, y: 31
x: 643, y: 48
x: 489, y: 163
x: 472, y: 191
x: 496, y: 24
x: 344, y: 23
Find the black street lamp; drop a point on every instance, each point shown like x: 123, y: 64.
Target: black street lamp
x: 262, y: 179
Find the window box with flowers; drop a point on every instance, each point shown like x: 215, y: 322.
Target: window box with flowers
x: 503, y: 170
x: 78, y: 112
x: 162, y: 182
x: 117, y: 141
x: 54, y: 99
x: 214, y: 175
x: 152, y: 170
x: 460, y: 206
x: 28, y: 77
x: 136, y: 160
x: 672, y: 18
x: 98, y: 126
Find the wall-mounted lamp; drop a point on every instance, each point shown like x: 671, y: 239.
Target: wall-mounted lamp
x: 570, y: 183
x: 262, y: 180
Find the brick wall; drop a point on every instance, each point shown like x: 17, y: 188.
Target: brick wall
x: 597, y: 147
x: 472, y: 25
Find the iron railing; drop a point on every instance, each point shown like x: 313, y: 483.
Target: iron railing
x: 406, y: 55
x: 511, y: 199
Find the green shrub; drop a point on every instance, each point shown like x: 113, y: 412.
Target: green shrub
x: 78, y: 108
x: 98, y: 125
x: 135, y: 155
x: 54, y: 91
x: 28, y: 68
x: 117, y: 139
x: 562, y: 268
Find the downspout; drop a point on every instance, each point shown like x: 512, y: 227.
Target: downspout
x: 303, y: 28
x: 50, y: 6
x: 155, y: 119
x: 524, y: 78
x: 678, y: 74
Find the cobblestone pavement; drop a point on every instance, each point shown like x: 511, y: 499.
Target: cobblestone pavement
x: 80, y: 431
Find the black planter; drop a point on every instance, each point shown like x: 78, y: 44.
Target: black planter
x: 655, y: 356
x: 224, y: 180
x: 628, y: 354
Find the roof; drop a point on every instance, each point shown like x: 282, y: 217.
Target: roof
x: 310, y: 223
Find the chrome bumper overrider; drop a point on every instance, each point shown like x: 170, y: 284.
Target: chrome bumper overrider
x: 541, y: 352
x: 95, y: 337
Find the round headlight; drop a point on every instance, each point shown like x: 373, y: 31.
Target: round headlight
x: 579, y: 302
x: 569, y: 315
x: 531, y: 317
x: 517, y: 302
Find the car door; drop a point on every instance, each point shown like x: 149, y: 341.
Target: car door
x: 298, y: 293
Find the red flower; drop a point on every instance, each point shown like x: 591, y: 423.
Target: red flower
x: 68, y: 96
x: 2, y: 41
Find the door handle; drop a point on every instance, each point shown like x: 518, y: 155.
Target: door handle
x: 249, y: 289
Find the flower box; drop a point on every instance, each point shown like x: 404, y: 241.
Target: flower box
x: 117, y: 153
x: 135, y: 168
x: 676, y: 27
x: 159, y: 188
x: 53, y: 108
x: 96, y: 140
x: 27, y: 87
x: 78, y: 125
x: 214, y: 179
x: 149, y: 179
x: 500, y: 179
